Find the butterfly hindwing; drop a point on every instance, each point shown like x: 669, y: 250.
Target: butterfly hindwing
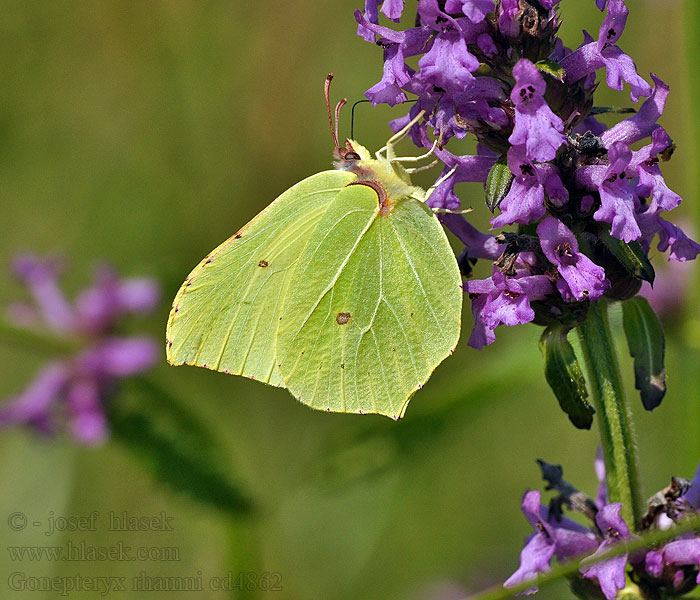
x: 373, y: 306
x: 225, y: 315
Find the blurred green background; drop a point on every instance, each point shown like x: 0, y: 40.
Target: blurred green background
x: 148, y: 132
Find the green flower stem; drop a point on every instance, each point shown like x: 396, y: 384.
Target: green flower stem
x: 612, y: 413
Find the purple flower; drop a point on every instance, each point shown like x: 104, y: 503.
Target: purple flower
x: 536, y: 126
x: 524, y: 202
x: 503, y: 300
x: 76, y: 387
x: 563, y: 538
x: 609, y: 573
x: 618, y: 201
x: 605, y: 54
x: 448, y: 64
x: 643, y: 123
x: 581, y: 277
x: 474, y: 10
x: 391, y: 9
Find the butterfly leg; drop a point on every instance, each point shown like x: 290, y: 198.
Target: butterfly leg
x: 397, y: 137
x: 449, y: 211
x: 423, y: 168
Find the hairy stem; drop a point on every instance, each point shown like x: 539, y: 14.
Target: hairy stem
x: 612, y: 412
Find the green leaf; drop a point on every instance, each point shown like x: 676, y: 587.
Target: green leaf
x: 551, y: 68
x: 174, y: 445
x: 645, y: 337
x: 631, y: 255
x: 498, y: 183
x: 564, y: 376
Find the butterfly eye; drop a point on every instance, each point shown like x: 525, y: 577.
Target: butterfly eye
x: 352, y: 156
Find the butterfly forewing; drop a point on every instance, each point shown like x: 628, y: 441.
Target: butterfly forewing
x: 226, y: 314
x: 374, y: 306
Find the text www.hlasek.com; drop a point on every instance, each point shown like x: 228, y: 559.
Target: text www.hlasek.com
x: 82, y: 552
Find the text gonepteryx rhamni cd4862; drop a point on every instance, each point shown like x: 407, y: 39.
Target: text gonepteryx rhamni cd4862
x: 344, y: 290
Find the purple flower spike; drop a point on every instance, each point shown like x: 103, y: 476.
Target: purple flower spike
x: 536, y: 126
x: 682, y: 247
x: 78, y: 386
x: 480, y: 75
x: 581, y: 277
x: 692, y: 495
x: 503, y: 300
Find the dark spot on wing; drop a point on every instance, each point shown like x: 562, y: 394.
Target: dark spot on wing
x: 342, y: 365
x: 238, y: 236
x: 342, y: 318
x: 263, y: 264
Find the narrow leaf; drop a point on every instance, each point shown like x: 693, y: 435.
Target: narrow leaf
x: 551, y: 68
x: 631, y: 255
x: 498, y: 183
x: 564, y: 376
x: 174, y: 445
x: 645, y: 338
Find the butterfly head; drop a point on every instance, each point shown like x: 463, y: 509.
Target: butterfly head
x: 389, y: 176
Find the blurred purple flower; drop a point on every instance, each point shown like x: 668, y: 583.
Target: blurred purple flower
x: 76, y: 387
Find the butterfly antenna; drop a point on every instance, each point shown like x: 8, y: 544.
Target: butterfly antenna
x: 326, y: 92
x: 334, y: 126
x: 338, y: 106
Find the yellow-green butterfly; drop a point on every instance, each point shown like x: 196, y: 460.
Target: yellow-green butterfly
x: 344, y: 290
